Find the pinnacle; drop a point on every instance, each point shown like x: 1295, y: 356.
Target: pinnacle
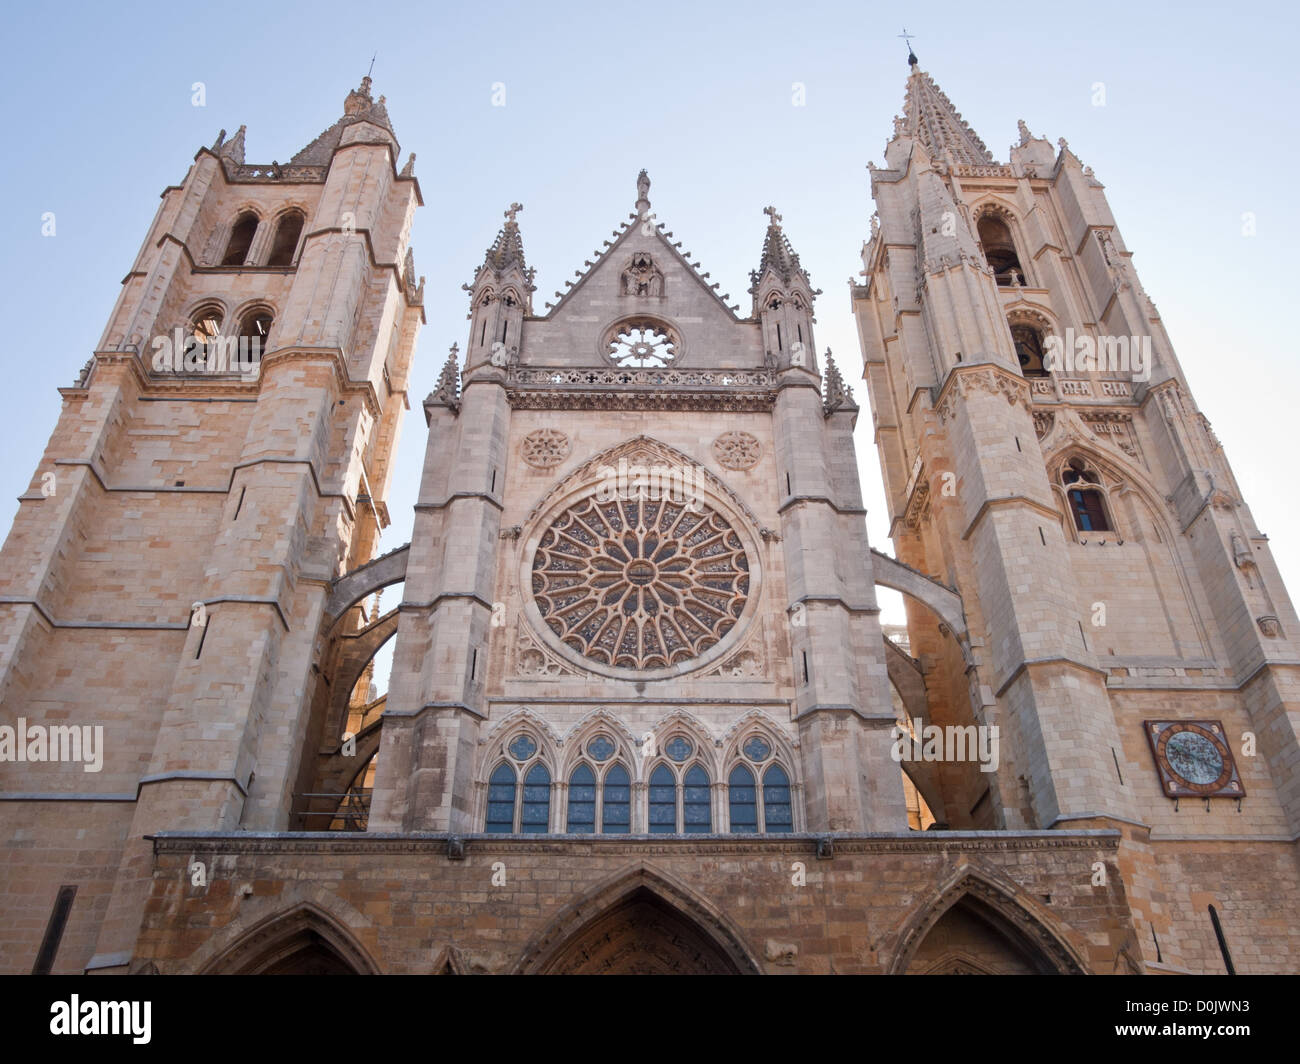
x: 929, y: 116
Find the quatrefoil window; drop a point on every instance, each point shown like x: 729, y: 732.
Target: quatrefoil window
x: 640, y: 583
x: 642, y: 344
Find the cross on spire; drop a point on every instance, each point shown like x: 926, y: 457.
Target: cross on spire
x: 907, y: 38
x: 771, y: 213
x: 515, y: 208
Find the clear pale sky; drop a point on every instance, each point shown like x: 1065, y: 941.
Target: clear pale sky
x: 1198, y: 128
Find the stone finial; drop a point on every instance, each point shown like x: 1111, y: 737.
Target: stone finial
x: 1025, y: 135
x: 838, y: 394
x: 642, y: 192
x: 233, y: 149
x: 447, y: 391
x: 358, y: 99
x: 409, y: 169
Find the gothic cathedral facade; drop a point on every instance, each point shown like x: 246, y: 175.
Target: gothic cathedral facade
x: 642, y: 714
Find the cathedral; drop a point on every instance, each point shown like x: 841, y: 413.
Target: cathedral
x: 643, y: 716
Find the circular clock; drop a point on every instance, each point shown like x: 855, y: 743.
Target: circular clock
x: 1194, y: 758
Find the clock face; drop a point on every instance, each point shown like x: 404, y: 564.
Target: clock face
x: 1193, y: 759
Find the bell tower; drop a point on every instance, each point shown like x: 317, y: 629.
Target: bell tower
x: 223, y: 456
x: 1043, y: 455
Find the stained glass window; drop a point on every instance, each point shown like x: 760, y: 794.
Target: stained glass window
x: 777, y: 813
x: 697, y: 812
x: 537, y: 800
x: 501, y: 800
x: 757, y: 749
x: 743, y: 799
x: 678, y: 748
x: 522, y: 747
x: 616, y: 805
x: 663, y: 801
x: 601, y: 747
x: 582, y: 800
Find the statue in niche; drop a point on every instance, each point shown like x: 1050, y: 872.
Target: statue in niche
x: 642, y: 277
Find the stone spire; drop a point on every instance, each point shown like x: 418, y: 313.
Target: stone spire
x: 778, y: 256
x: 508, y: 248
x: 358, y: 106
x: 447, y: 391
x: 233, y: 149
x: 839, y: 396
x: 930, y: 118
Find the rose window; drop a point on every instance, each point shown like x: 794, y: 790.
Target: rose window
x: 640, y: 583
x: 642, y: 345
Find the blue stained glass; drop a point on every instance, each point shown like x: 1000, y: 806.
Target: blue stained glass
x: 601, y: 747
x: 537, y: 800
x: 696, y: 809
x: 616, y: 804
x: 778, y: 816
x: 678, y: 748
x: 663, y: 801
x: 501, y: 801
x: 757, y: 749
x: 522, y: 747
x: 743, y: 799
x: 582, y: 800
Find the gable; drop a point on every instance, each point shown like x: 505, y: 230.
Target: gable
x: 642, y: 274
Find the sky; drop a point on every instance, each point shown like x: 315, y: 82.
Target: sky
x: 730, y: 107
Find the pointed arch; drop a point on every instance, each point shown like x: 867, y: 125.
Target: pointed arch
x: 634, y: 908
x: 302, y: 937
x: 680, y: 721
x: 598, y: 721
x: 1009, y: 912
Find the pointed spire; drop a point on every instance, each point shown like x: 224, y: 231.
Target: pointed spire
x: 233, y: 149
x: 357, y: 107
x: 778, y: 256
x: 447, y: 391
x: 508, y: 248
x: 838, y: 394
x: 929, y: 116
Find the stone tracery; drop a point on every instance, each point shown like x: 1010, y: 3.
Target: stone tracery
x: 640, y: 583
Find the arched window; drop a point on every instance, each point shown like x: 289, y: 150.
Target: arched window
x: 501, y: 800
x: 519, y: 798
x: 537, y: 800
x: 1087, y: 504
x: 205, y: 324
x: 743, y: 800
x: 697, y: 811
x: 616, y: 802
x: 778, y: 813
x: 593, y: 801
x: 287, y: 232
x: 1000, y: 250
x: 582, y: 800
x: 663, y: 801
x: 241, y: 239
x: 759, y: 809
x: 680, y: 801
x: 254, y: 329
x: 1029, y: 350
